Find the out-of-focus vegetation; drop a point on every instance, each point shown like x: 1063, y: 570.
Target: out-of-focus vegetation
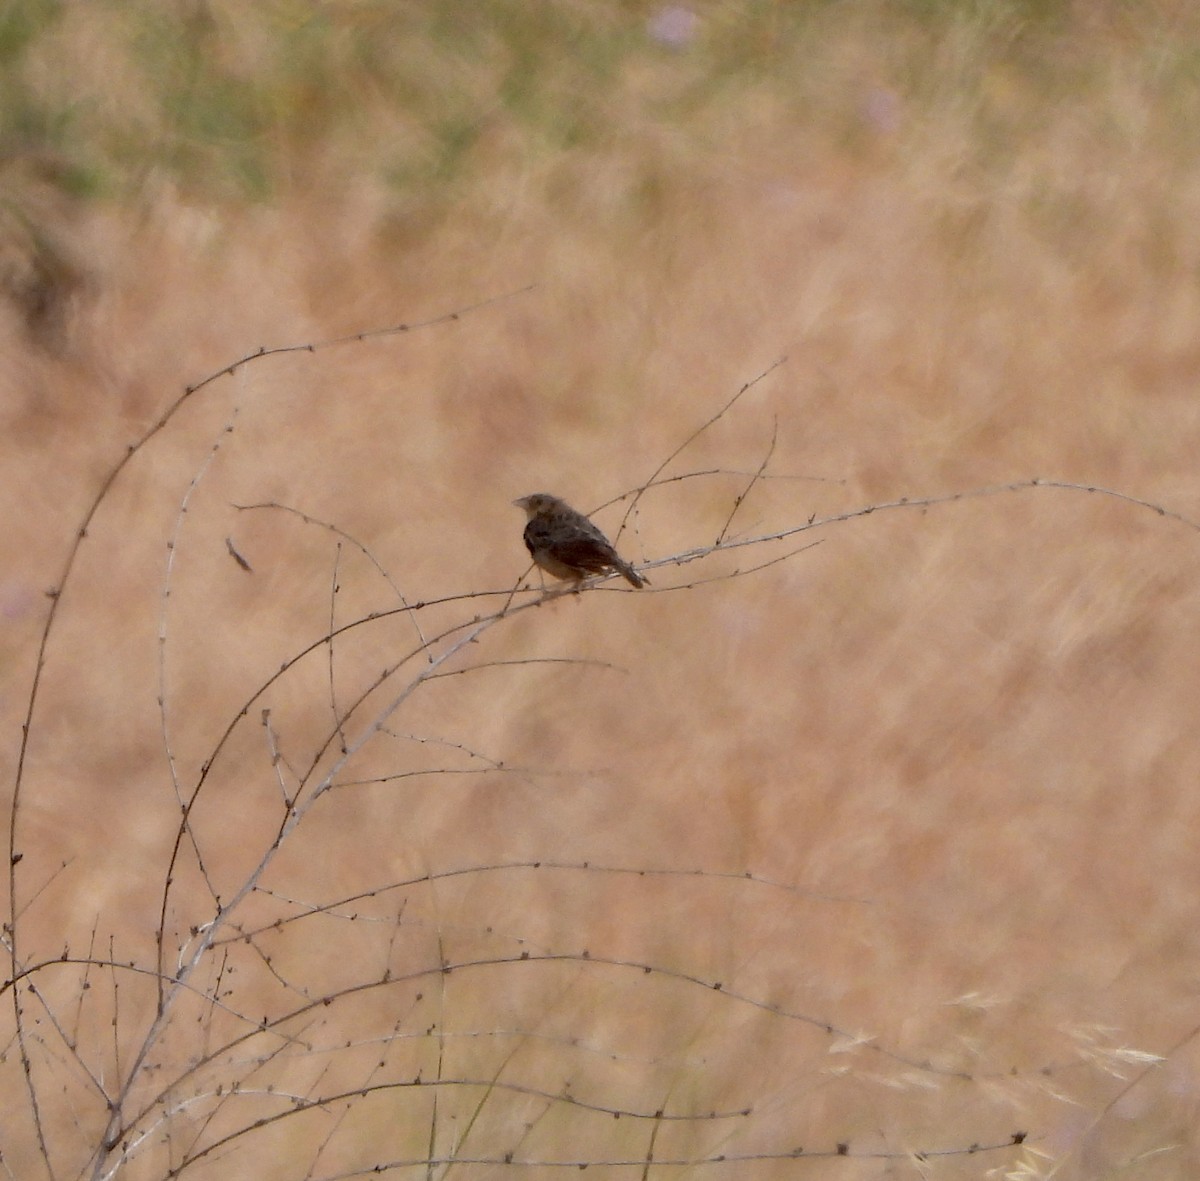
x: 232, y: 101
x: 612, y: 118
x: 964, y: 735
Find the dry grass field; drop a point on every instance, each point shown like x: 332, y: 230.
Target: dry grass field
x: 876, y: 862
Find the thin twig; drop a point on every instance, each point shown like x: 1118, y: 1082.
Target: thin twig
x: 740, y: 499
x: 338, y: 531
x: 658, y: 471
x: 333, y: 593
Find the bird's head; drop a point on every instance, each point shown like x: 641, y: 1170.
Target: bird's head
x: 536, y: 503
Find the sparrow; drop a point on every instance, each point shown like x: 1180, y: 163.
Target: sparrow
x: 566, y: 544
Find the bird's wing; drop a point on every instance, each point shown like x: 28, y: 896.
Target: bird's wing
x: 586, y: 553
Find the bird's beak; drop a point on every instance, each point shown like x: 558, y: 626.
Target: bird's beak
x: 520, y: 501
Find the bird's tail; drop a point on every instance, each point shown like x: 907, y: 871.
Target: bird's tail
x: 634, y: 579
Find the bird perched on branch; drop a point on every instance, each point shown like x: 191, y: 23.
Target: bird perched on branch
x: 566, y: 544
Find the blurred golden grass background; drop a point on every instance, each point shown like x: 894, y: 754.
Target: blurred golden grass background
x: 964, y: 736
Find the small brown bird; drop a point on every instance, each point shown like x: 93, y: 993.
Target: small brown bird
x: 566, y: 544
